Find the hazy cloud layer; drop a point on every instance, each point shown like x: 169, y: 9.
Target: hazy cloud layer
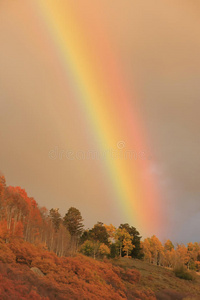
x: 158, y: 43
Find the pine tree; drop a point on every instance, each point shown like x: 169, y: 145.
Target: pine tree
x: 55, y: 218
x: 73, y: 221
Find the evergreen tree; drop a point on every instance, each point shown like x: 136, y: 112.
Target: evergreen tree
x: 74, y: 222
x: 55, y: 218
x: 99, y: 233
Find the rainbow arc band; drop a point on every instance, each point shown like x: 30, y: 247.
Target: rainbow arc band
x: 97, y: 81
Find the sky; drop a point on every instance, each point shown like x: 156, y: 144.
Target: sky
x: 154, y: 46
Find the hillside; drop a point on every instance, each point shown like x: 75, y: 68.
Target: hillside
x: 46, y: 256
x: 162, y: 281
x: 76, y: 277
x: 31, y: 272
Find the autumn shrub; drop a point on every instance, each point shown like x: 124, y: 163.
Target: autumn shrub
x: 15, y: 284
x: 130, y: 275
x: 78, y: 277
x: 6, y: 255
x: 46, y: 265
x: 180, y: 271
x: 25, y: 252
x: 136, y: 294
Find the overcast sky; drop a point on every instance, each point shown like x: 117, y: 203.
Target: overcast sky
x: 158, y: 43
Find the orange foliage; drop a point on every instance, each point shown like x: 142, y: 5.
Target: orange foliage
x: 6, y: 254
x: 134, y: 294
x: 77, y: 277
x: 131, y: 275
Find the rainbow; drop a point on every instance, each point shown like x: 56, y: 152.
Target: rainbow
x: 93, y: 68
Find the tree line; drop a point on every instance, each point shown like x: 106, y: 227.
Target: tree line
x: 20, y: 216
x: 168, y: 255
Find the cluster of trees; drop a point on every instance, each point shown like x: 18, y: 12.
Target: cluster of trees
x: 33, y: 237
x: 107, y: 240
x: 168, y: 255
x: 20, y: 216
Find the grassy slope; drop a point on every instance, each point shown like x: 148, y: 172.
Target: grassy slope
x: 158, y: 278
